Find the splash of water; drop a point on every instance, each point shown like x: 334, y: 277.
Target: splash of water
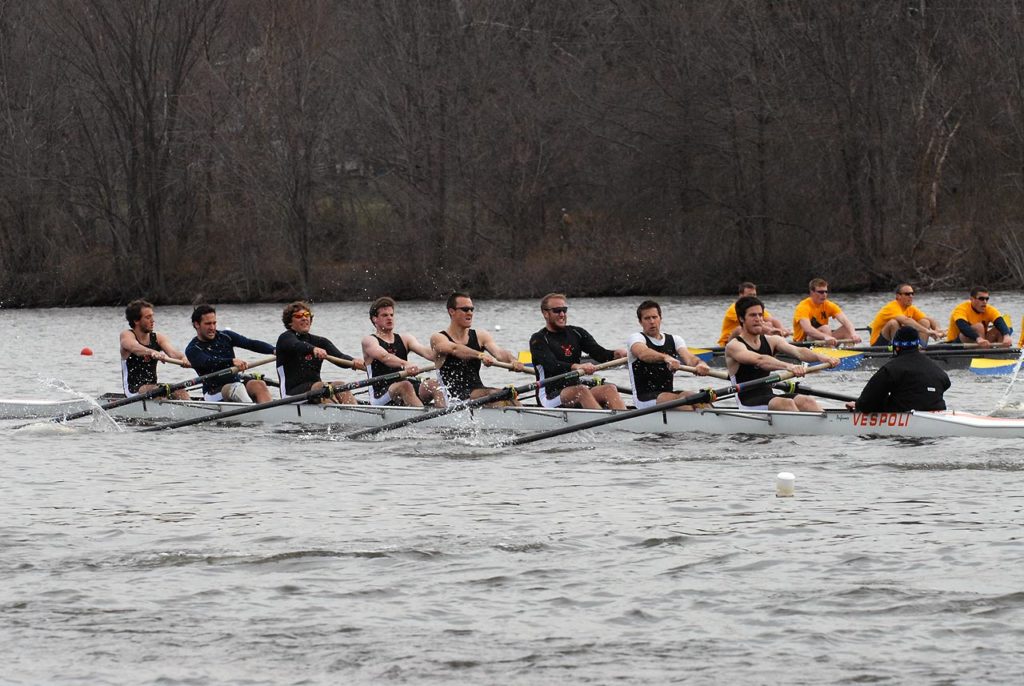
x: 102, y: 421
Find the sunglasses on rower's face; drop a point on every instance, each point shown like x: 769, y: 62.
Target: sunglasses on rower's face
x: 558, y: 310
x: 983, y: 298
x: 303, y: 315
x: 824, y: 292
x: 907, y: 293
x: 464, y: 309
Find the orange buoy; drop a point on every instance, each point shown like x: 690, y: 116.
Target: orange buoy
x: 87, y: 351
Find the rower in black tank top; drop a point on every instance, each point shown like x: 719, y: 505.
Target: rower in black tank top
x: 759, y: 395
x: 460, y: 377
x: 651, y: 379
x: 138, y: 371
x: 378, y: 368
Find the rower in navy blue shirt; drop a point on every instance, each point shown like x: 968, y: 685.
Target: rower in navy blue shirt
x: 212, y: 350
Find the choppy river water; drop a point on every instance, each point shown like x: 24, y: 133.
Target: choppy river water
x: 251, y: 555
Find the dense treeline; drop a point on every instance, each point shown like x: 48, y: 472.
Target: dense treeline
x: 255, y: 150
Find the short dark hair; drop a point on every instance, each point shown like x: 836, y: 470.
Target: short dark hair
x: 647, y: 305
x: 201, y: 311
x: 745, y: 285
x: 290, y: 309
x: 979, y: 289
x: 899, y: 287
x: 379, y: 304
x: 745, y: 303
x: 454, y: 297
x: 133, y: 311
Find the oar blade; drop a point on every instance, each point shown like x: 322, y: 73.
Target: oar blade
x: 848, y: 359
x: 704, y: 354
x: 985, y: 366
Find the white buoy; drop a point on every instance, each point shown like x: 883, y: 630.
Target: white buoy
x: 784, y: 485
x: 497, y: 327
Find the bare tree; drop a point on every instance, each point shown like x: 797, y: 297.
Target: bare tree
x: 132, y: 62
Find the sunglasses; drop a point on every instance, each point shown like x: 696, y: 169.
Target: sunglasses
x: 303, y: 315
x: 825, y: 292
x: 464, y: 309
x: 982, y: 297
x: 907, y: 293
x: 557, y: 310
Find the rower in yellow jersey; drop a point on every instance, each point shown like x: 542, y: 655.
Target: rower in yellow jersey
x: 812, y: 315
x: 731, y: 323
x: 975, y: 321
x: 899, y: 313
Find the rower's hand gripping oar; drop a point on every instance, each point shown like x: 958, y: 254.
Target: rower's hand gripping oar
x: 717, y: 373
x: 705, y: 396
x: 326, y: 389
x: 477, y: 402
x: 511, y: 367
x: 163, y: 389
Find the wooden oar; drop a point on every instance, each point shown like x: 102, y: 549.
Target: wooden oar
x: 705, y: 396
x: 511, y: 367
x: 717, y: 373
x: 327, y: 389
x: 163, y: 389
x: 477, y: 402
x: 796, y: 387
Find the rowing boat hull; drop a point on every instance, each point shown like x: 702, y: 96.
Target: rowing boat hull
x: 529, y: 419
x: 41, y: 409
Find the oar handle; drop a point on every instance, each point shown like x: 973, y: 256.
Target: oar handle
x: 256, y: 363
x: 422, y: 370
x: 509, y: 366
x: 717, y: 373
x: 340, y: 361
x: 617, y: 362
x: 808, y: 370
